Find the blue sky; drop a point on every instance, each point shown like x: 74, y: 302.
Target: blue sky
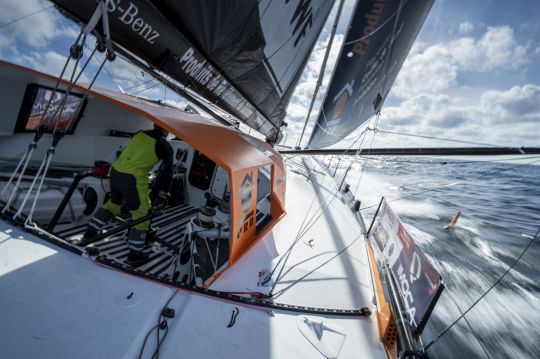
x: 473, y: 73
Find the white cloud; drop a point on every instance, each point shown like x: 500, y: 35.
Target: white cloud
x: 51, y: 63
x: 36, y: 30
x: 437, y: 110
x: 124, y: 71
x: 429, y: 71
x: 496, y: 49
x: 518, y: 104
x: 466, y: 27
x: 433, y: 103
x: 510, y: 117
x: 435, y: 68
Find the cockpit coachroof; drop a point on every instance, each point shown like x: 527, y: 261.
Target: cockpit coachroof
x: 231, y: 151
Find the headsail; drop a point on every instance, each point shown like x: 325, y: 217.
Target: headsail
x: 244, y: 56
x: 379, y: 38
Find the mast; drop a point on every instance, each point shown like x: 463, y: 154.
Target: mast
x: 321, y: 73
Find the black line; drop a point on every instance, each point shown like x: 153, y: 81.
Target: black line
x: 264, y: 302
x: 420, y: 151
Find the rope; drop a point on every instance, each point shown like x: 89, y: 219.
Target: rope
x: 516, y: 261
x: 110, y: 75
x: 158, y: 326
x: 299, y: 235
x: 58, y: 113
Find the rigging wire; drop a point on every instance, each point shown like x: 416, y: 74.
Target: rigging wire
x: 452, y: 161
x: 2, y: 26
x: 476, y: 336
x: 440, y: 138
x: 304, y: 230
x: 516, y: 261
x: 106, y: 71
x: 323, y: 68
x: 140, y: 84
x: 281, y: 291
x: 370, y: 147
x: 146, y: 88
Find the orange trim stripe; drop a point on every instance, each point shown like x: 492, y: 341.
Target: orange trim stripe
x: 385, y: 317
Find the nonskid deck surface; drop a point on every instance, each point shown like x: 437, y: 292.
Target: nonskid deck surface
x: 170, y: 227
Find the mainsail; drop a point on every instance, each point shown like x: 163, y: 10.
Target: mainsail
x: 379, y: 38
x: 243, y: 56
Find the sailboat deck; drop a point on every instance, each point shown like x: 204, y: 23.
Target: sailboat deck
x: 110, y: 302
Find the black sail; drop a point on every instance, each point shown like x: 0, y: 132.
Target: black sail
x: 245, y: 56
x: 379, y: 38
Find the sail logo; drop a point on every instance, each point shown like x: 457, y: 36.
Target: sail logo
x: 198, y: 70
x: 341, y: 99
x: 372, y: 20
x: 128, y: 16
x: 303, y: 19
x: 201, y: 72
x: 405, y: 287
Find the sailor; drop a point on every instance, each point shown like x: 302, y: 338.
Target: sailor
x: 129, y: 181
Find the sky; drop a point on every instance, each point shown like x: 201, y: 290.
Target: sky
x: 473, y: 73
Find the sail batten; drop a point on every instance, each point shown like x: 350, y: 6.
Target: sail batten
x: 244, y: 56
x: 379, y: 38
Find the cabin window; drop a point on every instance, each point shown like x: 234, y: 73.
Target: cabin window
x: 264, y: 189
x: 202, y: 171
x: 35, y: 102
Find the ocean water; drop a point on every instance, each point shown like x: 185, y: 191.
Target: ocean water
x: 500, y: 206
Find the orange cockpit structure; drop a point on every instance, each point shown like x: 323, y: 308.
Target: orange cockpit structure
x: 240, y: 155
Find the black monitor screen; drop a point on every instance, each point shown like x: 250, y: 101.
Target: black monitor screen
x: 35, y: 103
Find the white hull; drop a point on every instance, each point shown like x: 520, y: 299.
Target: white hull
x: 58, y: 304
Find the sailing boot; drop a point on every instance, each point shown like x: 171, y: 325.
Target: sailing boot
x: 98, y: 221
x: 136, y: 242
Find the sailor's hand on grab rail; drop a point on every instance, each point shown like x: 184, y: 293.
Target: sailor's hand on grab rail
x: 164, y: 195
